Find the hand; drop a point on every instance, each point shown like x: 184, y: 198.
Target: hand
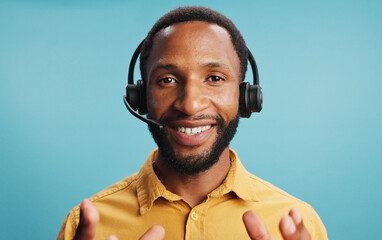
x: 291, y: 226
x: 89, y: 218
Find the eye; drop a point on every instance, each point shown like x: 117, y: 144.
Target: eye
x: 215, y: 79
x: 167, y: 80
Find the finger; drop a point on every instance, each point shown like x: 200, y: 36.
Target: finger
x: 296, y: 216
x: 288, y: 228
x: 255, y: 226
x: 89, y: 218
x: 292, y: 227
x: 297, y: 219
x: 156, y: 232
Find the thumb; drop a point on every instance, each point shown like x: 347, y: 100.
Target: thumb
x: 89, y: 218
x: 255, y: 226
x: 156, y: 232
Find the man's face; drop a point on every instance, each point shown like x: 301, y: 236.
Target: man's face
x: 193, y: 77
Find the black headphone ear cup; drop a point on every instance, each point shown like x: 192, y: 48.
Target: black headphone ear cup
x: 136, y: 96
x: 255, y: 98
x: 250, y: 100
x: 142, y: 106
x: 244, y: 109
x: 132, y: 96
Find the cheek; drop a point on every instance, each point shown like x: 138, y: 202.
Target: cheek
x: 157, y: 104
x: 227, y: 102
x: 152, y: 104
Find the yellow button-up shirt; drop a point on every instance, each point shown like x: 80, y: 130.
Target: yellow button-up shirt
x: 130, y: 207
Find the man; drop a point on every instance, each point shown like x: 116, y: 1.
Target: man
x: 193, y: 186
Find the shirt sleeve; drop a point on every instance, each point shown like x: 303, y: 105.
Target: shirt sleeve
x: 69, y: 226
x: 314, y: 224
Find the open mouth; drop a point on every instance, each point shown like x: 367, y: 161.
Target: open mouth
x: 192, y: 131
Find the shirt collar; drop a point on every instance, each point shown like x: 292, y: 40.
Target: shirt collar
x: 150, y: 188
x: 237, y: 180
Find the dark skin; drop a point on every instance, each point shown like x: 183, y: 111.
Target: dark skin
x: 194, y: 70
x: 190, y: 75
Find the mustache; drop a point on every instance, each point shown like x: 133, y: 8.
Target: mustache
x: 198, y: 117
x: 166, y: 121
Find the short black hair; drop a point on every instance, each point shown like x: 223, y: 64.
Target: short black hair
x: 194, y: 13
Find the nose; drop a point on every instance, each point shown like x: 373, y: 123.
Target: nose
x: 192, y: 98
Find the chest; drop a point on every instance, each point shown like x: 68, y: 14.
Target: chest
x: 213, y: 219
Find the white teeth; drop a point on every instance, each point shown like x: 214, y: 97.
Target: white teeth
x: 193, y: 131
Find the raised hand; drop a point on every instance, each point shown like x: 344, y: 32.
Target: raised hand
x: 89, y: 218
x: 291, y: 226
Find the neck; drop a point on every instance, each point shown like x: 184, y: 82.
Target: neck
x: 193, y: 189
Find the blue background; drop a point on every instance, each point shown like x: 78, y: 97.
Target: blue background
x: 65, y: 133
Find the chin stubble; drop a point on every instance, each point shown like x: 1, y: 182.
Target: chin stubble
x: 196, y: 163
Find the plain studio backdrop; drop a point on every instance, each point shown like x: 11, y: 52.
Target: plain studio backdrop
x: 65, y: 133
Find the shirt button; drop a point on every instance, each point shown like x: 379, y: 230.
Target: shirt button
x: 194, y: 215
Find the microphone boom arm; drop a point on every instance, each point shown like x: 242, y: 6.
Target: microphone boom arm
x: 140, y: 117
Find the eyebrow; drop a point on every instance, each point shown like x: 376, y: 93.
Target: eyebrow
x: 216, y: 65
x: 170, y: 66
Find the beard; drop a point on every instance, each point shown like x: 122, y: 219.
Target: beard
x: 195, y: 163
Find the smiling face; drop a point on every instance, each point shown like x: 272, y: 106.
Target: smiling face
x: 193, y: 75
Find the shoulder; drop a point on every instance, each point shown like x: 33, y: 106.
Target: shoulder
x: 125, y: 185
x: 277, y: 198
x: 126, y: 189
x: 267, y: 191
x: 270, y: 194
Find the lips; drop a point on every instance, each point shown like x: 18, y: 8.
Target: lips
x: 192, y: 131
x: 191, y: 136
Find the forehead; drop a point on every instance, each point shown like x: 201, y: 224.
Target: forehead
x: 193, y: 32
x: 193, y: 28
x: 194, y: 40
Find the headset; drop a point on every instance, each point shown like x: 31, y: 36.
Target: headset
x: 250, y: 99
